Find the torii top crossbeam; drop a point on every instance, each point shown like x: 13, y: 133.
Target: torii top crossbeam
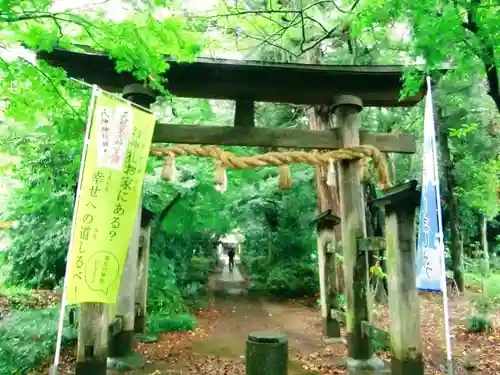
x: 375, y: 85
x: 247, y: 82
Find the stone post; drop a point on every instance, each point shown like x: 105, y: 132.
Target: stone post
x: 327, y: 247
x: 400, y: 205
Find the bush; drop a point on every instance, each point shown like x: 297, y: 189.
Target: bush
x: 27, y: 338
x: 164, y: 295
x: 160, y: 323
x: 172, y: 292
x: 478, y: 323
x: 492, y: 288
x: 292, y: 280
x: 199, y: 269
x: 257, y: 265
x: 194, y: 286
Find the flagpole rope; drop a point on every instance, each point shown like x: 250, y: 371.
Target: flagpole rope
x: 225, y: 159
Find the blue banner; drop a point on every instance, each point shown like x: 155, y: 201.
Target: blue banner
x: 430, y: 247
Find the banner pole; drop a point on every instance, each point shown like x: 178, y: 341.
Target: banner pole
x: 60, y: 326
x: 440, y: 239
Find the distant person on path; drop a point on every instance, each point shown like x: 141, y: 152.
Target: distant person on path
x: 231, y: 254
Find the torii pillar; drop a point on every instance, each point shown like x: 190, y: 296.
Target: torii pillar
x: 328, y: 284
x: 360, y: 352
x: 122, y: 344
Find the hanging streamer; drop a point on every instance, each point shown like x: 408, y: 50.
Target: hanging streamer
x: 284, y: 177
x: 220, y: 177
x: 330, y: 175
x: 169, y: 171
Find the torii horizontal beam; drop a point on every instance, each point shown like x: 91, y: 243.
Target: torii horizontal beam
x: 252, y: 81
x: 280, y: 137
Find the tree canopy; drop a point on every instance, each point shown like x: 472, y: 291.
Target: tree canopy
x: 44, y: 112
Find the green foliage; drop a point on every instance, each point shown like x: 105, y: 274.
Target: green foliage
x: 421, y: 27
x: 379, y: 346
x: 478, y: 323
x: 491, y: 288
x: 200, y: 268
x: 292, y: 280
x: 341, y: 301
x: 46, y: 177
x: 279, y: 240
x: 27, y: 338
x: 164, y: 295
x: 161, y: 322
x: 43, y: 115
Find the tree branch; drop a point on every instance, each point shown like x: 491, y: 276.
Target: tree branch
x: 487, y: 55
x: 55, y: 88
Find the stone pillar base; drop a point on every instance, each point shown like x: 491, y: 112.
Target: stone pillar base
x: 331, y: 328
x: 92, y: 367
x: 414, y: 366
x: 121, y: 344
x: 370, y: 366
x: 133, y: 361
x: 335, y: 340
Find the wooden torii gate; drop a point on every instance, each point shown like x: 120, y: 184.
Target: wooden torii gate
x: 345, y: 88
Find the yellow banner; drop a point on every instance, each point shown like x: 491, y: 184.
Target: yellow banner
x: 120, y: 138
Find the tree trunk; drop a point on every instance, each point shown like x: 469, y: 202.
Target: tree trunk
x: 485, y: 266
x: 320, y: 118
x: 450, y: 198
x: 485, y: 52
x: 327, y: 196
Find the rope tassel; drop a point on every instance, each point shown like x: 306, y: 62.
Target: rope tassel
x: 226, y: 159
x: 285, y: 177
x: 220, y: 177
x: 169, y: 172
x: 330, y: 175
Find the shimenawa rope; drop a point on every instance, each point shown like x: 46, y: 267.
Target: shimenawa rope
x: 225, y: 159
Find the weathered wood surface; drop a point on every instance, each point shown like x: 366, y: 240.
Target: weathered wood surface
x: 404, y: 306
x: 267, y: 137
x: 353, y: 228
x: 369, y: 330
x: 328, y: 284
x: 92, y: 350
x: 122, y: 343
x: 141, y: 291
x: 308, y: 84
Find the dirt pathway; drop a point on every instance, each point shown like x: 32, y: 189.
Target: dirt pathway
x: 218, y: 345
